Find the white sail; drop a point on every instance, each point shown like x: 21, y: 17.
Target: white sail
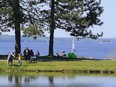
x: 73, y: 45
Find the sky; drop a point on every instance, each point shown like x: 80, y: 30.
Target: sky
x: 108, y: 17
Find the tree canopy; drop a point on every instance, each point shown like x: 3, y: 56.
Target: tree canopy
x: 28, y: 13
x: 16, y: 14
x: 32, y: 31
x: 74, y: 16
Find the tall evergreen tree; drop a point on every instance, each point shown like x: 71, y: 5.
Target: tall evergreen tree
x: 74, y: 16
x: 15, y: 14
x: 52, y: 27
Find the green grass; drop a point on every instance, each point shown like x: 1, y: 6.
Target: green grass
x: 60, y: 65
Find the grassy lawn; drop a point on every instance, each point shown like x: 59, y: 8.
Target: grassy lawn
x: 62, y: 65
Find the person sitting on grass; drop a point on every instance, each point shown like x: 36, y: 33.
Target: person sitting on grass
x: 63, y: 54
x: 37, y: 54
x: 10, y: 58
x: 57, y: 54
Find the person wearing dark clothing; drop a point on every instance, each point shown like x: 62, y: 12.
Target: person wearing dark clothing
x: 37, y: 54
x: 26, y: 53
x: 63, y: 54
x: 10, y: 58
x: 35, y: 57
x: 57, y: 54
x: 31, y: 53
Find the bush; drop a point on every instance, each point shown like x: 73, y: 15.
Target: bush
x: 72, y: 55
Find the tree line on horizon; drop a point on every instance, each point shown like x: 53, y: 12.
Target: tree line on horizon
x: 33, y: 17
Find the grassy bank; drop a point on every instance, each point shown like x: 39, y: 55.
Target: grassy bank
x: 61, y: 65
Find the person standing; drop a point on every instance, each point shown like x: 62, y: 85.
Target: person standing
x: 10, y: 58
x: 19, y: 59
x: 26, y: 53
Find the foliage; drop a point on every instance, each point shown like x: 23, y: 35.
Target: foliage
x: 28, y: 13
x: 72, y: 55
x: 32, y: 30
x: 75, y: 16
x: 15, y: 14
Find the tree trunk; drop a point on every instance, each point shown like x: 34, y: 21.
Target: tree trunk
x: 17, y: 27
x: 17, y: 39
x: 52, y: 27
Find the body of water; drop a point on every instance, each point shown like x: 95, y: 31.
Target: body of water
x: 98, y: 49
x: 57, y: 81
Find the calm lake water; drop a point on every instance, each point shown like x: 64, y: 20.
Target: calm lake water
x: 57, y: 81
x: 98, y: 49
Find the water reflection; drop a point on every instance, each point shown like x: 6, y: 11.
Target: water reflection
x: 19, y: 80
x: 15, y: 79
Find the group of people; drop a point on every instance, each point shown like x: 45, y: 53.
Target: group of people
x: 11, y: 56
x: 63, y: 54
x: 28, y: 53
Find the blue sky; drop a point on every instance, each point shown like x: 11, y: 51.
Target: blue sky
x: 108, y: 17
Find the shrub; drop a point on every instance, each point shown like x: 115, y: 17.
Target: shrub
x: 72, y: 55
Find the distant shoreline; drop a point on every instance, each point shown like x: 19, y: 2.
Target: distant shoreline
x: 58, y: 37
